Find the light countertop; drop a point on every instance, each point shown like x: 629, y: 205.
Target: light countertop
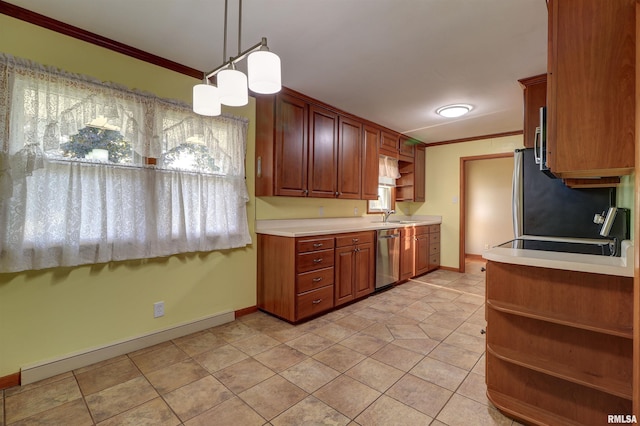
x: 607, y: 265
x: 322, y: 226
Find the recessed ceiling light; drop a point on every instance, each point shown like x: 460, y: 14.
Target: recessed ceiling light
x: 456, y: 110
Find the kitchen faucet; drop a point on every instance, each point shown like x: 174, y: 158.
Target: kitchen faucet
x: 386, y: 215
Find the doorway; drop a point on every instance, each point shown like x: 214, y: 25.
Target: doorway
x: 485, y: 203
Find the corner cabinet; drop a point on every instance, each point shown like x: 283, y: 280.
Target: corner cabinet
x: 559, y: 344
x: 591, y: 88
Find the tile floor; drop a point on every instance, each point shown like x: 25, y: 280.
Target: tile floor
x: 412, y: 355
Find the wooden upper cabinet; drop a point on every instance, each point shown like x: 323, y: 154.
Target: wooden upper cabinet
x: 323, y: 152
x: 389, y: 144
x: 290, y: 146
x: 591, y: 88
x: 406, y: 148
x: 349, y: 159
x: 370, y: 149
x: 535, y: 97
x: 419, y: 174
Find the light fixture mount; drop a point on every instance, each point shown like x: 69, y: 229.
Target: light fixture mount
x: 454, y: 110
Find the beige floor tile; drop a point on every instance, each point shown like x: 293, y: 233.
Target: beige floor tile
x: 406, y: 331
x: 334, y: 332
x: 99, y: 364
x: 375, y: 374
x: 120, y: 398
x: 255, y: 344
x: 152, y: 413
x: 474, y: 387
x: 466, y: 341
x: 150, y: 349
x: 233, y: 331
x: 107, y: 375
x: 31, y: 386
x: 36, y: 400
x: 310, y: 344
x: 471, y: 329
x: 415, y: 314
x: 420, y: 394
x: 339, y: 357
x: 454, y: 355
x: 195, y: 344
x: 310, y: 411
x: 355, y: 322
x: 389, y: 412
x: 219, y: 358
x: 281, y: 357
x: 436, y: 332
x: 462, y: 411
x: 243, y: 375
x: 174, y: 376
x: 162, y: 357
x: 72, y: 413
x: 396, y: 319
x: 197, y: 397
x: 232, y: 412
x: 420, y: 346
x: 284, y: 335
x: 397, y: 357
x: 374, y: 314
x: 310, y: 375
x: 379, y: 331
x: 273, y: 396
x: 347, y: 395
x: 481, y: 366
x: 439, y: 373
x: 363, y: 343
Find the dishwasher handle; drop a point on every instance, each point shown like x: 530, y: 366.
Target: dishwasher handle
x: 388, y: 236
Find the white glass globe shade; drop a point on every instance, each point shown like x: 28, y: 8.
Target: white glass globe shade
x: 232, y: 85
x: 205, y: 100
x: 452, y: 111
x: 264, y: 72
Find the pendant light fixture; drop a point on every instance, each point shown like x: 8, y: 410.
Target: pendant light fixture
x: 263, y: 68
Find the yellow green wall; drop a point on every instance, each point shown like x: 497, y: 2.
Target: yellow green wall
x: 45, y: 315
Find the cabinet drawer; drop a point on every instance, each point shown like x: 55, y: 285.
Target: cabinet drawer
x: 315, y: 279
x: 434, y: 260
x: 355, y: 238
x: 434, y: 238
x: 314, y: 260
x: 434, y: 248
x: 314, y: 302
x: 313, y: 244
x: 423, y: 229
x: 434, y: 228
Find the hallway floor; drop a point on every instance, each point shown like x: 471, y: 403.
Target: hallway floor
x: 412, y: 355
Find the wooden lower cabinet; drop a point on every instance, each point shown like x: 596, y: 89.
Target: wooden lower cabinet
x: 419, y: 250
x: 302, y: 277
x: 354, y: 266
x: 559, y: 344
x: 434, y: 247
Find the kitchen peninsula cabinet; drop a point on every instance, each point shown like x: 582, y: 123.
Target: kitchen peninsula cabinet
x: 354, y: 266
x: 559, y: 344
x: 591, y: 88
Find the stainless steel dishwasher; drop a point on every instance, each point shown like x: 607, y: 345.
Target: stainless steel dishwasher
x: 387, y: 257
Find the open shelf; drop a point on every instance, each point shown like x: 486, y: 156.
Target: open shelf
x: 561, y: 371
x: 527, y: 412
x: 558, y: 318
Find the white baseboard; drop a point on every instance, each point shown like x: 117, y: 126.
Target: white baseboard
x: 43, y: 370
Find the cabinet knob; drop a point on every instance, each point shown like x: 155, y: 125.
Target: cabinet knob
x: 305, y: 191
x: 315, y: 302
x: 317, y: 260
x: 337, y: 194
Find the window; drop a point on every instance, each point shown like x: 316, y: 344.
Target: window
x: 91, y: 173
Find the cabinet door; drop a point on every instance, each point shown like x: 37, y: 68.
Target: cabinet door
x: 591, y: 88
x: 535, y: 97
x: 291, y: 146
x: 406, y: 148
x: 370, y: 162
x: 407, y: 255
x: 389, y: 144
x: 422, y: 254
x: 323, y: 152
x: 419, y: 174
x: 345, y: 273
x: 349, y: 159
x: 364, y: 281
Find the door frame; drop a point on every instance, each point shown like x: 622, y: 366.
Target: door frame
x: 463, y: 202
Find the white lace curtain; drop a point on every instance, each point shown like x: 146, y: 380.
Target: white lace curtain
x: 63, y: 207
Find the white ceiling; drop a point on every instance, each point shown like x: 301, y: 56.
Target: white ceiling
x: 393, y: 62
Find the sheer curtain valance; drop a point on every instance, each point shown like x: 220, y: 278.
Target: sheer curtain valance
x: 92, y: 172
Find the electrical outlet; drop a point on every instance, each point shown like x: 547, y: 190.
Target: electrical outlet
x: 321, y: 211
x: 486, y: 246
x: 158, y: 309
x: 355, y: 211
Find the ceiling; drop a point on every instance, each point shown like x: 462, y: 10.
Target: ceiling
x: 393, y: 62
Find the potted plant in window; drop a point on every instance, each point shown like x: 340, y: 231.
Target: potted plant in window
x: 88, y: 139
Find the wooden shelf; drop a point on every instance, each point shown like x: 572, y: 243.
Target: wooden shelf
x: 558, y: 318
x: 561, y: 371
x: 526, y: 412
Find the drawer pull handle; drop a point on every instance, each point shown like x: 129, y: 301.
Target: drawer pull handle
x: 355, y: 240
x: 317, y: 260
x: 317, y: 280
x: 316, y: 245
x: 315, y: 302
